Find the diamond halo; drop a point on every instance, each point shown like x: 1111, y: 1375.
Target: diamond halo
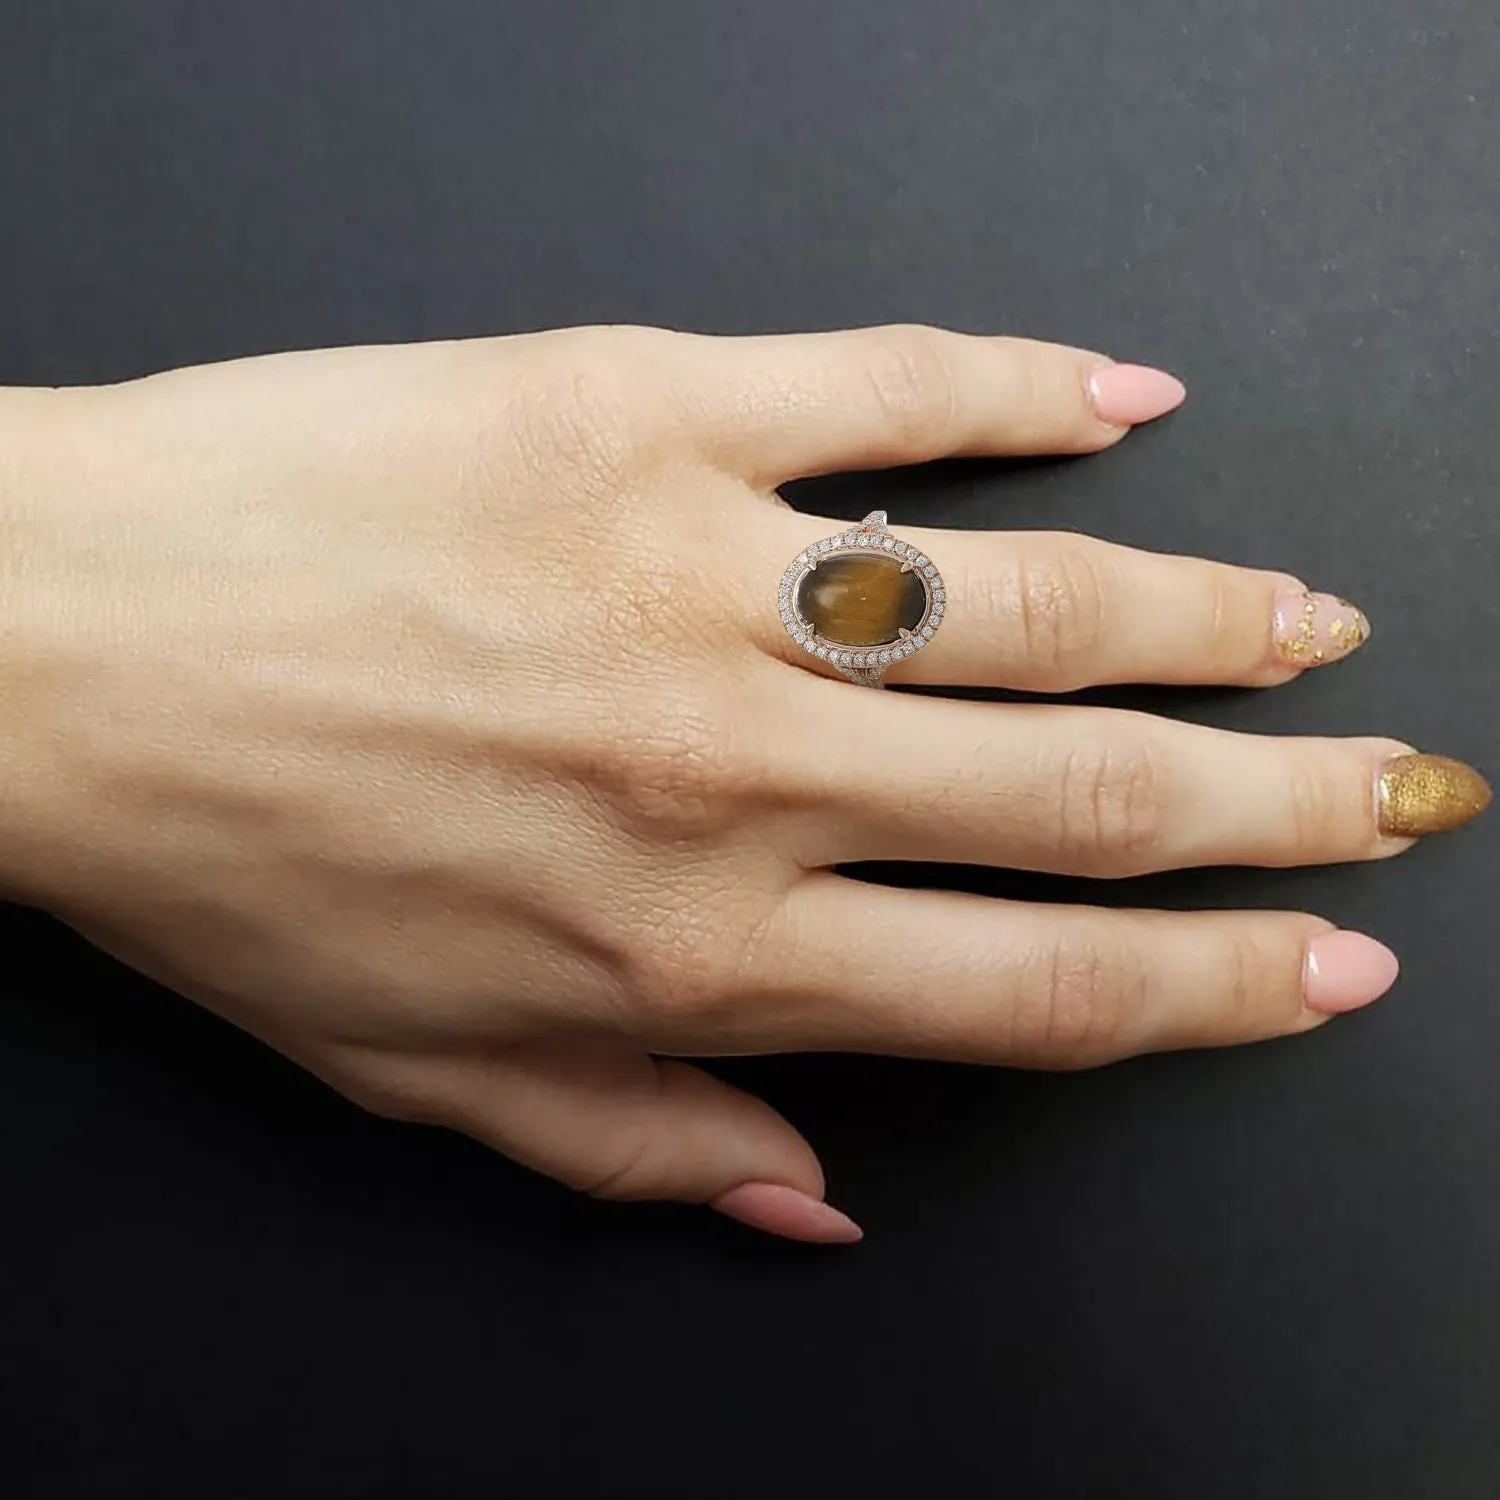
x: 865, y: 665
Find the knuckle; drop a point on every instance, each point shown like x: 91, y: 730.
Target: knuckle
x: 582, y: 415
x: 1087, y: 1002
x: 1032, y: 395
x: 682, y: 981
x: 1110, y: 810
x: 592, y: 397
x: 1322, y: 815
x: 1241, y: 1003
x: 1226, y: 634
x: 693, y: 970
x: 685, y: 773
x: 912, y: 383
x: 628, y: 1176
x: 1060, y: 606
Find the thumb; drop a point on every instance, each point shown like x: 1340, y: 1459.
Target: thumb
x: 625, y: 1125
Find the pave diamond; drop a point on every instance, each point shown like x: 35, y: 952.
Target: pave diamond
x: 927, y: 632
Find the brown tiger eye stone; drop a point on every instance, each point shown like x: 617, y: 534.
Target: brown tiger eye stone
x: 861, y: 600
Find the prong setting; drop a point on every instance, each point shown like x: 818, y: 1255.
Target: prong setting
x: 867, y: 664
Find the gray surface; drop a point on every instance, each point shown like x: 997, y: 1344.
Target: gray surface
x: 1270, y: 1272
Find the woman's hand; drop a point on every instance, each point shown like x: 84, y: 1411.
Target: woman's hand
x: 426, y: 712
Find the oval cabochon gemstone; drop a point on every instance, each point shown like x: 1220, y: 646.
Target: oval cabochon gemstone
x: 863, y: 600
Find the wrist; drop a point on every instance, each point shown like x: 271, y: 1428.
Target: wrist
x: 39, y: 604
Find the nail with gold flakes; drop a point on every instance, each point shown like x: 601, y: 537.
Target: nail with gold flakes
x: 1314, y: 629
x: 1421, y: 794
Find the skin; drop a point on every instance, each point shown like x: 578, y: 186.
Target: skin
x: 425, y: 712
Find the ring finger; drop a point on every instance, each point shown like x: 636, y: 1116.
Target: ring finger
x: 1052, y: 612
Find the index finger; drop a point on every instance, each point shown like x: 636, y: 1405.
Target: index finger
x: 777, y: 408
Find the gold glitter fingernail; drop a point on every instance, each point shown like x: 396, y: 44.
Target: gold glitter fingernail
x: 1422, y: 794
x: 1311, y: 629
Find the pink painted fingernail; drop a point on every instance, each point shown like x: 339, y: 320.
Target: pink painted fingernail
x: 1346, y: 970
x: 1124, y: 395
x: 1314, y: 629
x: 787, y: 1212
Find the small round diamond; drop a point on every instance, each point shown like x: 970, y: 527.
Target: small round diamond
x: 889, y: 543
x: 808, y: 644
x: 823, y: 653
x: 927, y: 632
x: 885, y: 656
x: 921, y: 561
x: 939, y: 594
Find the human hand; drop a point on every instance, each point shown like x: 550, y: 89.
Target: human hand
x: 426, y: 712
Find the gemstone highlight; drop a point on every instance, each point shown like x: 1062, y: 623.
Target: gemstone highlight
x: 863, y: 600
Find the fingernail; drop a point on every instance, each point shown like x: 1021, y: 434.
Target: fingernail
x: 1421, y: 794
x: 1313, y: 629
x: 1346, y: 970
x: 1124, y: 395
x: 787, y: 1212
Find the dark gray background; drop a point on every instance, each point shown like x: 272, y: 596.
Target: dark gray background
x: 1263, y: 1273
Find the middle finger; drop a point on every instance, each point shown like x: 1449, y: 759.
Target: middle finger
x: 1101, y: 792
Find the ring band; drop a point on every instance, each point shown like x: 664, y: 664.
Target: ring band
x: 862, y: 600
